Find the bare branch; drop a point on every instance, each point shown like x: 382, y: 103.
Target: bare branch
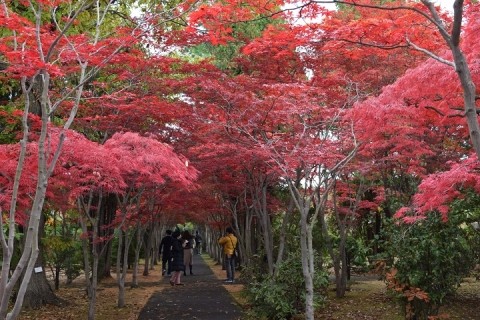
x: 437, y: 21
x: 389, y: 8
x: 375, y: 45
x: 431, y: 54
x: 62, y: 32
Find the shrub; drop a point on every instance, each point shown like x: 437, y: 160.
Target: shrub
x: 431, y: 258
x: 280, y: 296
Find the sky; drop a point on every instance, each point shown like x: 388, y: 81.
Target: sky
x: 447, y: 4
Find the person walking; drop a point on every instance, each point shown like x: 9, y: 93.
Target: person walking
x: 166, y: 252
x: 177, y: 259
x: 229, y: 243
x: 189, y: 245
x: 198, y: 242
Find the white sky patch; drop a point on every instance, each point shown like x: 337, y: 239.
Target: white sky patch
x: 445, y: 4
x: 298, y: 20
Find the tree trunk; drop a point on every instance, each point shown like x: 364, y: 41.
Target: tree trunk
x: 138, y: 246
x: 340, y: 272
x: 148, y: 238
x: 121, y: 266
x: 122, y: 276
x: 248, y: 235
x: 39, y: 292
x: 285, y: 224
x: 303, y: 202
x: 259, y: 194
x: 107, y: 215
x: 307, y: 261
x: 57, y: 277
x: 91, y: 273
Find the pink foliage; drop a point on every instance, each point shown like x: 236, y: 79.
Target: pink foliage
x: 146, y: 161
x: 438, y: 190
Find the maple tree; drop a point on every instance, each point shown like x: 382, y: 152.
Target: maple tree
x: 426, y: 129
x: 146, y: 164
x: 255, y: 100
x: 31, y: 65
x: 385, y: 28
x: 266, y: 115
x: 53, y: 66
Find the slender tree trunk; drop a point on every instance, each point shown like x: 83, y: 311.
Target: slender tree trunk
x: 122, y: 266
x: 91, y: 273
x: 148, y: 237
x: 107, y: 215
x: 302, y: 202
x: 340, y: 259
x: 286, y: 223
x: 122, y: 276
x: 259, y: 195
x: 58, y: 269
x: 138, y: 246
x: 93, y: 299
x: 248, y: 234
x: 155, y: 244
x: 30, y: 253
x: 39, y: 292
x: 90, y: 280
x: 307, y: 261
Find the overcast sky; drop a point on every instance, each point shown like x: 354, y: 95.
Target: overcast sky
x: 447, y: 4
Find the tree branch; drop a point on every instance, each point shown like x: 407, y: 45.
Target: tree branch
x: 438, y: 21
x: 457, y: 22
x: 375, y: 45
x: 430, y: 54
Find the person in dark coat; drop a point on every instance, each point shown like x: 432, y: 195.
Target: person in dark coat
x: 198, y: 242
x: 189, y: 245
x: 166, y: 252
x: 177, y: 259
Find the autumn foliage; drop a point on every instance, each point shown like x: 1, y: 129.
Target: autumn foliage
x: 237, y: 113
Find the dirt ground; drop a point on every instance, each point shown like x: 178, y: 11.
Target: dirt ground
x: 366, y: 299
x: 106, y: 308
x: 369, y: 299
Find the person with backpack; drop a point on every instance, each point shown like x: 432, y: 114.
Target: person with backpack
x: 229, y: 244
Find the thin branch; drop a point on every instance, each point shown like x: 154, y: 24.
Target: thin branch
x: 375, y: 45
x: 62, y: 32
x: 431, y: 54
x: 391, y: 8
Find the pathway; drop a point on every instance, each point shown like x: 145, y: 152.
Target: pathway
x: 202, y: 297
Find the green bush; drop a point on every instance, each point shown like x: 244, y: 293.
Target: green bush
x: 432, y: 257
x: 65, y: 253
x: 280, y: 296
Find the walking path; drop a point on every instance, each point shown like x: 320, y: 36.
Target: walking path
x: 202, y: 297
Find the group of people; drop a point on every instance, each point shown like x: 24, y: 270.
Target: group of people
x: 177, y: 250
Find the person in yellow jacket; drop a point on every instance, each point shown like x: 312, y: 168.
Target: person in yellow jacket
x: 229, y: 243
